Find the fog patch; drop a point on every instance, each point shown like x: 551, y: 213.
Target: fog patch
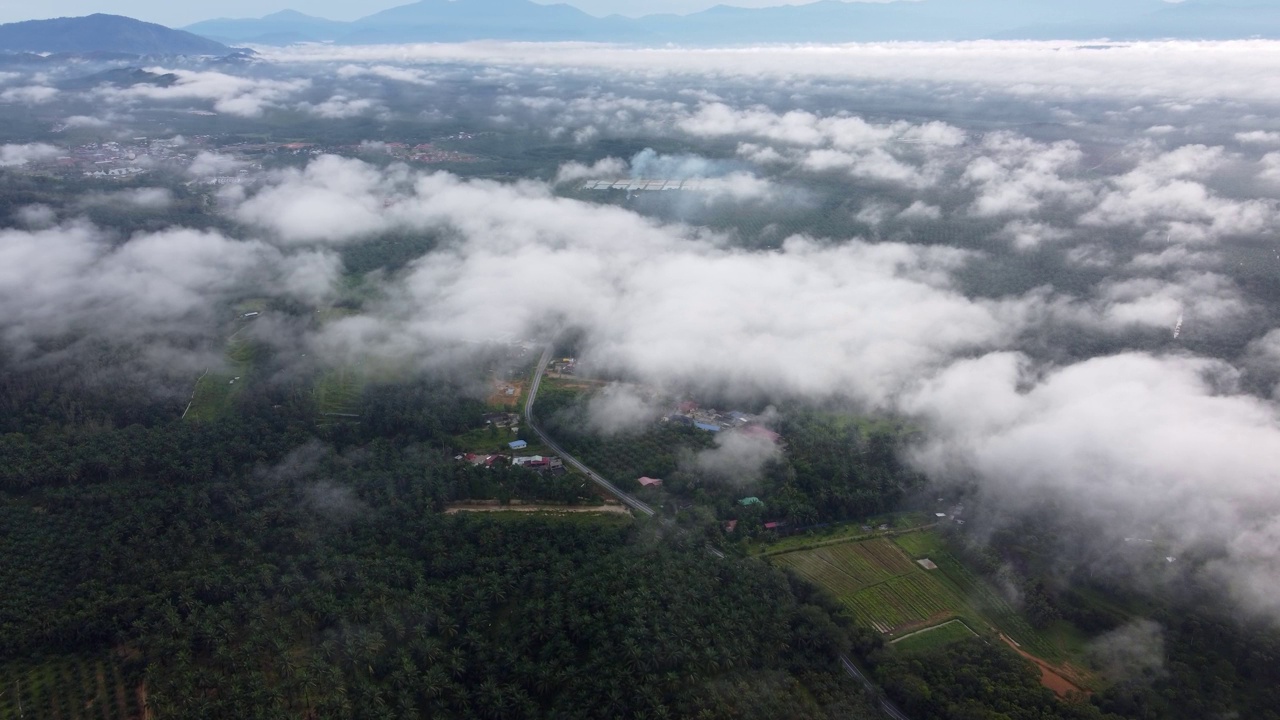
x: 1132, y: 652
x: 16, y: 155
x: 620, y: 409
x: 739, y: 457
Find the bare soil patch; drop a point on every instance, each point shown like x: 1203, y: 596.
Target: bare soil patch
x: 505, y: 394
x: 1051, y: 676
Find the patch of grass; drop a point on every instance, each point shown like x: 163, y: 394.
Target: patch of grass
x: 933, y: 638
x: 338, y: 391
x: 486, y: 440
x: 850, y: 566
x: 842, y: 532
x: 215, y: 391
x: 920, y: 544
x: 251, y: 305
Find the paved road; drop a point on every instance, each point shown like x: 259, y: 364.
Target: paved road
x: 573, y: 462
x: 885, y: 704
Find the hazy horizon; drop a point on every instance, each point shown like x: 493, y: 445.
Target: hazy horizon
x: 181, y: 14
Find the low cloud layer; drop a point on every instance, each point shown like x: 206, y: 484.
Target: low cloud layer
x: 1075, y: 309
x: 1238, y: 69
x: 1149, y: 444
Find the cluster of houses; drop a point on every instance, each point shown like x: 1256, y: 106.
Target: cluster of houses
x: 711, y: 420
x: 117, y: 160
x: 563, y: 366
x: 544, y: 464
x: 503, y: 420
x: 422, y: 153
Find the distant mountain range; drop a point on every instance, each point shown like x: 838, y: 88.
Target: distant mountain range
x: 103, y: 34
x: 823, y: 21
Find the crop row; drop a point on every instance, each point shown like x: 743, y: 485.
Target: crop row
x: 886, y: 556
x: 847, y: 568
x: 68, y: 688
x: 902, y: 601
x: 989, y: 602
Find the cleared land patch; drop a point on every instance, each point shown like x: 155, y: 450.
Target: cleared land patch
x: 934, y: 637
x: 215, y: 391
x: 848, y: 568
x: 337, y: 392
x: 877, y: 582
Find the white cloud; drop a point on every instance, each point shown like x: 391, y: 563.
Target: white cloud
x: 1190, y: 71
x: 1259, y: 137
x: 1019, y: 176
x: 603, y: 168
x: 1134, y: 445
x: 14, y: 155
x: 1169, y: 188
x: 230, y: 94
x: 388, y: 72
x: 210, y: 164
x: 340, y: 107
x: 30, y: 95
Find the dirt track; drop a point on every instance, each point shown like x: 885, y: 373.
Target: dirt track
x: 1050, y: 677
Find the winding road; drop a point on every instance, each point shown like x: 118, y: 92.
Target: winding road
x: 573, y: 462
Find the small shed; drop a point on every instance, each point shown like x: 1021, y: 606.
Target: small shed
x: 518, y: 445
x: 650, y: 482
x: 707, y: 426
x: 750, y: 501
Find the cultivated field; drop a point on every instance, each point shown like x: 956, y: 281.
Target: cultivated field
x: 879, y: 584
x: 883, y: 586
x: 338, y: 392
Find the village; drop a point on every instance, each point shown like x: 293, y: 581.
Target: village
x: 124, y: 159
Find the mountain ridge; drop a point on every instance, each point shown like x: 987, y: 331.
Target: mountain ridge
x: 103, y: 33
x: 822, y: 21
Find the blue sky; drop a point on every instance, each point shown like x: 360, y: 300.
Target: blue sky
x: 176, y: 14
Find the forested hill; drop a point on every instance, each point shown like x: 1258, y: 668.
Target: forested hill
x: 103, y: 33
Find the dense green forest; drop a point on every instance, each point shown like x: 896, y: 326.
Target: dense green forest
x: 267, y: 566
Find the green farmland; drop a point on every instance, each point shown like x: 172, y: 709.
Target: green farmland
x: 879, y: 584
x: 882, y: 586
x: 337, y: 392
x: 215, y: 391
x: 932, y: 638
